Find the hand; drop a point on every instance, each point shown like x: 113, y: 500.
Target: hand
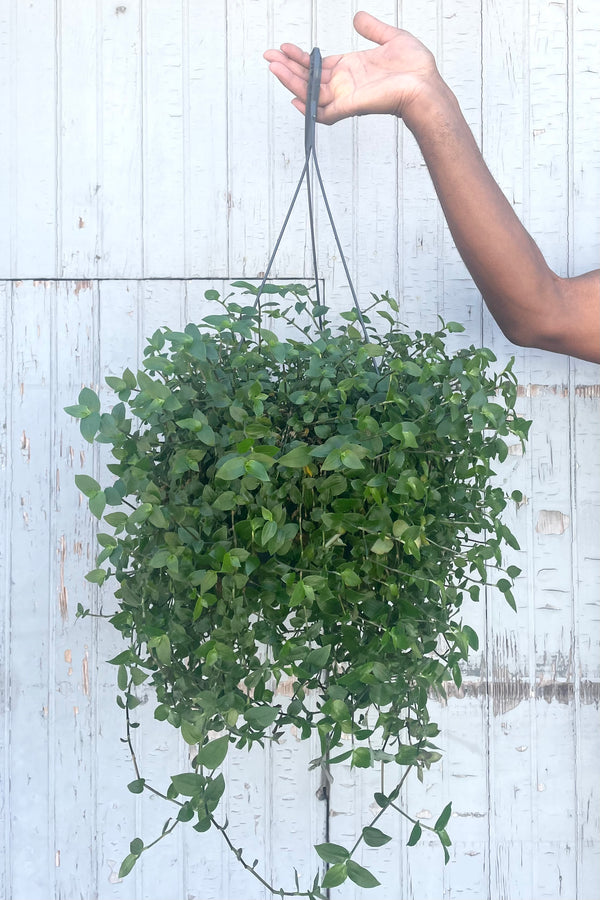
x: 389, y: 78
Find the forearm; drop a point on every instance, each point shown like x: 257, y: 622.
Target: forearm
x: 529, y: 302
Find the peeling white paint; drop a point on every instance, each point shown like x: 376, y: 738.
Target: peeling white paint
x: 111, y: 174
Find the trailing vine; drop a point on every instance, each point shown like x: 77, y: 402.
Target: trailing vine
x: 311, y: 509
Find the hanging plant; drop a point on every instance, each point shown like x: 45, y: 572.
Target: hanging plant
x: 311, y: 510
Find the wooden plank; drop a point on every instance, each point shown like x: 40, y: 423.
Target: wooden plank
x: 161, y: 751
x: 120, y: 163
x: 118, y: 813
x: 422, y: 236
x: 79, y: 138
x: 337, y: 149
x: 553, y: 622
x: 460, y: 64
x: 6, y: 462
x: 73, y: 346
x: 8, y: 102
x: 584, y: 234
x: 163, y: 139
x: 504, y: 48
x: 250, y: 232
x: 375, y: 215
x: 30, y: 783
x: 540, y: 654
x: 289, y: 22
x: 32, y: 167
x: 205, y: 74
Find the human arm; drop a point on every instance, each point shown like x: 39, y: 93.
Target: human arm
x: 532, y: 305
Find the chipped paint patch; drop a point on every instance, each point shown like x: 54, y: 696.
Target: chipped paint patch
x: 543, y: 390
x: 85, y: 674
x: 507, y: 693
x: 82, y: 286
x: 26, y: 447
x: 588, y: 391
x: 63, y: 595
x: 551, y: 521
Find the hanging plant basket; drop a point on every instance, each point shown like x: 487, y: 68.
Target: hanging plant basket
x: 310, y: 509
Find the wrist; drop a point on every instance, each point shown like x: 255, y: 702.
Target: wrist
x: 432, y: 109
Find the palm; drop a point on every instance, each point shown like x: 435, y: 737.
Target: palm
x: 384, y: 79
x: 381, y: 80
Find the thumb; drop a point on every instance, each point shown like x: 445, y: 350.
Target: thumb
x: 374, y: 29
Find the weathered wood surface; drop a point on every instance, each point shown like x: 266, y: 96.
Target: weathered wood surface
x: 145, y: 154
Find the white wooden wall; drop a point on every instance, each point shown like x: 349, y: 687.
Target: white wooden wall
x: 145, y: 152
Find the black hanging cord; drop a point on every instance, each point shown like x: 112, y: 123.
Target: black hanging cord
x: 312, y: 101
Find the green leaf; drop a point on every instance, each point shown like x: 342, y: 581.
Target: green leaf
x: 192, y: 733
x: 189, y: 784
x: 231, y: 469
x: 117, y: 384
x: 333, y: 460
x: 444, y: 838
x: 373, y: 837
x: 77, y: 411
x: 162, y: 645
x: 116, y: 519
x: 225, y: 501
x: 257, y: 470
x: 350, y: 460
x: 96, y: 576
x: 296, y: 458
x: 136, y: 846
x: 261, y: 717
x: 186, y: 812
x: 214, y: 791
x: 361, y: 876
x: 382, y: 545
x: 127, y: 864
x: 208, y: 581
x: 350, y: 578
x: 381, y: 799
x: 90, y: 426
x: 159, y: 559
x: 207, y: 436
x: 89, y: 398
x: 137, y: 786
x: 471, y: 637
x: 140, y: 515
x: 407, y: 755
x: 317, y: 658
x: 88, y: 486
x: 415, y: 835
x: 332, y: 853
x: 97, y: 504
x: 443, y: 818
x: 269, y: 531
x: 122, y: 679
x: 335, y: 875
x: 211, y: 755
x: 362, y: 758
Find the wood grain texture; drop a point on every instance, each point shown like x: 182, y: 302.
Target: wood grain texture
x: 144, y: 149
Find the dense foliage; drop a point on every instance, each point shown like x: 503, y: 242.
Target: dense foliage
x: 313, y: 509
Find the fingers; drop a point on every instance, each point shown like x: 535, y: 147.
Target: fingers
x: 296, y: 54
x: 290, y: 65
x: 373, y: 29
x: 295, y: 82
x: 291, y: 56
